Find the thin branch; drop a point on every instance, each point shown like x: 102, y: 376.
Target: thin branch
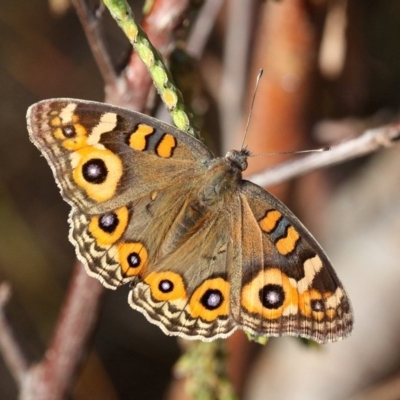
x: 202, y: 27
x: 235, y: 60
x: 53, y: 376
x: 370, y: 141
x: 162, y: 79
x: 91, y: 24
x: 9, y: 347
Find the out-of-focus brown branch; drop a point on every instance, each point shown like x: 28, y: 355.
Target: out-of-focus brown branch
x: 370, y: 141
x: 202, y: 27
x: 286, y: 48
x: 90, y: 20
x: 9, y: 347
x: 53, y: 376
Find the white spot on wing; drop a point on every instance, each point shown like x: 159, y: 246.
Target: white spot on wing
x: 67, y: 113
x: 334, y: 300
x: 75, y: 159
x: 311, y: 267
x: 107, y: 123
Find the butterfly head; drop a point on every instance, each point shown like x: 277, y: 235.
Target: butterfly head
x: 238, y: 158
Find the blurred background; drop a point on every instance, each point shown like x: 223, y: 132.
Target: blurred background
x: 331, y: 71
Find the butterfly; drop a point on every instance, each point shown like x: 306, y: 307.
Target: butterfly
x: 205, y: 251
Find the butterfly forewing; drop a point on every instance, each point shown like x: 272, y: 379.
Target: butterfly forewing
x: 99, y: 153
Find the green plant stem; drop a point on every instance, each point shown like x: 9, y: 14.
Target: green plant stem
x: 162, y: 79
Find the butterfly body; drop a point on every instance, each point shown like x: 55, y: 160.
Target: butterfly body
x: 205, y: 251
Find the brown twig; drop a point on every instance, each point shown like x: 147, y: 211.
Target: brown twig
x: 53, y: 376
x: 9, y: 347
x: 235, y: 60
x: 91, y: 24
x: 370, y: 141
x: 202, y: 27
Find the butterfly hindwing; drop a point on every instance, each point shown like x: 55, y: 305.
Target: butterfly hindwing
x: 293, y: 289
x: 119, y: 245
x: 188, y: 290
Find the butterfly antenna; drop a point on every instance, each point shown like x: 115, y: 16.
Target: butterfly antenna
x: 259, y: 75
x: 278, y: 153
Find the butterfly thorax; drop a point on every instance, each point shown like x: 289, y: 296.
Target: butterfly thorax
x: 238, y: 158
x: 223, y: 177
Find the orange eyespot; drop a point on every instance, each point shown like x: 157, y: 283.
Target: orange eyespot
x: 210, y: 300
x: 97, y: 171
x: 109, y: 227
x: 166, y: 286
x: 133, y: 258
x: 270, y: 294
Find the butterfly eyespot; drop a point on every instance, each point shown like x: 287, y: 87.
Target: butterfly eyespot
x: 69, y: 131
x: 320, y: 305
x: 166, y: 286
x: 133, y: 258
x: 272, y: 296
x: 95, y: 171
x: 312, y: 302
x: 317, y: 305
x: 279, y: 297
x: 212, y: 299
x: 73, y: 136
x: 107, y: 228
x: 108, y: 222
x: 92, y: 172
